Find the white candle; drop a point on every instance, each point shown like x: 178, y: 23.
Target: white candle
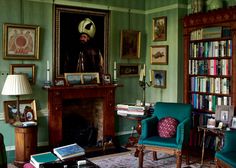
x: 48, y: 69
x: 114, y: 74
x: 114, y: 64
x: 150, y: 75
x: 141, y: 75
x: 144, y: 70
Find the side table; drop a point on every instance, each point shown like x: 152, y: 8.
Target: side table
x: 217, y: 132
x: 25, y: 144
x: 132, y: 141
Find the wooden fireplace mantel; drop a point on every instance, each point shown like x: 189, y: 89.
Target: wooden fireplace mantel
x: 56, y: 96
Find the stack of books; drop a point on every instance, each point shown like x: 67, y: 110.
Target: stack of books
x: 124, y: 110
x: 59, y: 153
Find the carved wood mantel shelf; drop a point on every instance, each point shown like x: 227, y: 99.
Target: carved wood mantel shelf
x: 56, y: 96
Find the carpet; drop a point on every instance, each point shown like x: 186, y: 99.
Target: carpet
x: 128, y: 160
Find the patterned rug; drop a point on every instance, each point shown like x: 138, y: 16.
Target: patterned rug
x: 129, y: 161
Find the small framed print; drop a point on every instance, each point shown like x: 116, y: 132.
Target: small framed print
x: 90, y: 78
x: 159, y: 28
x: 73, y: 79
x: 106, y: 79
x: 27, y: 110
x: 159, y: 78
x: 159, y: 54
x: 224, y: 113
x: 27, y: 69
x: 233, y: 123
x: 82, y: 78
x: 20, y: 41
x: 128, y: 70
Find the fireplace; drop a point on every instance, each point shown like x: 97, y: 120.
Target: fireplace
x: 91, y: 105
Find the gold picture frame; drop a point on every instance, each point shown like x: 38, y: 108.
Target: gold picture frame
x: 27, y: 69
x: 25, y: 106
x: 130, y: 44
x: 82, y: 78
x: 20, y: 41
x: 158, y: 78
x: 159, y: 28
x: 159, y: 54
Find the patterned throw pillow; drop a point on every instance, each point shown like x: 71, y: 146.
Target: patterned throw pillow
x: 166, y: 127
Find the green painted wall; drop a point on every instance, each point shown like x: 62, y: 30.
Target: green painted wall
x: 124, y: 14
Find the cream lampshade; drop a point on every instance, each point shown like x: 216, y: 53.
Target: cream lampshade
x: 17, y: 85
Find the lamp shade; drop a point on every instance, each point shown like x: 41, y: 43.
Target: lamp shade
x: 16, y: 85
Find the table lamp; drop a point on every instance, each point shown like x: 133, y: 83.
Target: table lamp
x: 17, y: 85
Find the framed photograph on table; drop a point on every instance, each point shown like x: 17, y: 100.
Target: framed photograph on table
x: 159, y: 78
x: 159, y: 28
x: 159, y: 54
x: 20, y: 41
x: 73, y: 79
x: 27, y: 69
x: 90, y: 78
x: 27, y: 110
x: 224, y: 113
x: 130, y: 44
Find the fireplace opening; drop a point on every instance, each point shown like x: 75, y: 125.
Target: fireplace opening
x: 82, y: 122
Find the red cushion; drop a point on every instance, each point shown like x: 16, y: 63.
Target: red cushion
x: 166, y: 127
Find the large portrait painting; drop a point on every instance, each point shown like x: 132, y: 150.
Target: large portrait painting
x: 69, y: 22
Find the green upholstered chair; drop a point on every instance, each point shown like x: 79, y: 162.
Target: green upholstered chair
x: 150, y: 139
x: 3, y: 155
x: 227, y: 156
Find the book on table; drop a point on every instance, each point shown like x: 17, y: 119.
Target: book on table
x: 41, y: 158
x: 69, y: 151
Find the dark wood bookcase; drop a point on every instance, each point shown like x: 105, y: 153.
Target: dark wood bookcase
x: 209, y: 78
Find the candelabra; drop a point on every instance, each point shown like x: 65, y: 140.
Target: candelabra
x: 143, y: 84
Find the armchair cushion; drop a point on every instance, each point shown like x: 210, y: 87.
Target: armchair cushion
x: 166, y: 127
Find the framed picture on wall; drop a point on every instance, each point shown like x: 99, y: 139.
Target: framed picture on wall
x: 20, y: 41
x: 130, y: 44
x: 159, y: 78
x: 27, y: 69
x: 128, y: 70
x: 159, y: 28
x: 159, y: 54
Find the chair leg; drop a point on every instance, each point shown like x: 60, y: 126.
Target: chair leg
x: 178, y: 159
x: 140, y: 156
x: 154, y: 154
x: 187, y: 157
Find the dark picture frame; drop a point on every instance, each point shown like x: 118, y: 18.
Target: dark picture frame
x: 20, y: 41
x: 159, y: 78
x: 159, y: 54
x: 25, y: 107
x: 126, y: 70
x: 27, y: 69
x: 130, y: 44
x: 66, y: 36
x: 159, y: 28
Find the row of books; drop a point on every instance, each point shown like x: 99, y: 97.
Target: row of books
x: 210, y: 32
x: 124, y: 110
x: 208, y: 102
x: 209, y: 49
x: 210, y: 67
x: 59, y: 153
x: 210, y: 85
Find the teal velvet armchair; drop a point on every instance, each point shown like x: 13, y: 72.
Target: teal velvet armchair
x: 150, y: 139
x: 227, y: 156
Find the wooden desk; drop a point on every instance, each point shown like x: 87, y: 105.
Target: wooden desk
x: 217, y: 132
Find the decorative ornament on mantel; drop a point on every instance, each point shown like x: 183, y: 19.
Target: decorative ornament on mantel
x: 214, y: 4
x: 197, y: 6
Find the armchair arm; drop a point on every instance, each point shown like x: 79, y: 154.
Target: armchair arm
x: 183, y: 132
x: 149, y: 127
x: 229, y: 141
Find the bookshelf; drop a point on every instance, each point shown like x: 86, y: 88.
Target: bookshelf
x: 209, y: 61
